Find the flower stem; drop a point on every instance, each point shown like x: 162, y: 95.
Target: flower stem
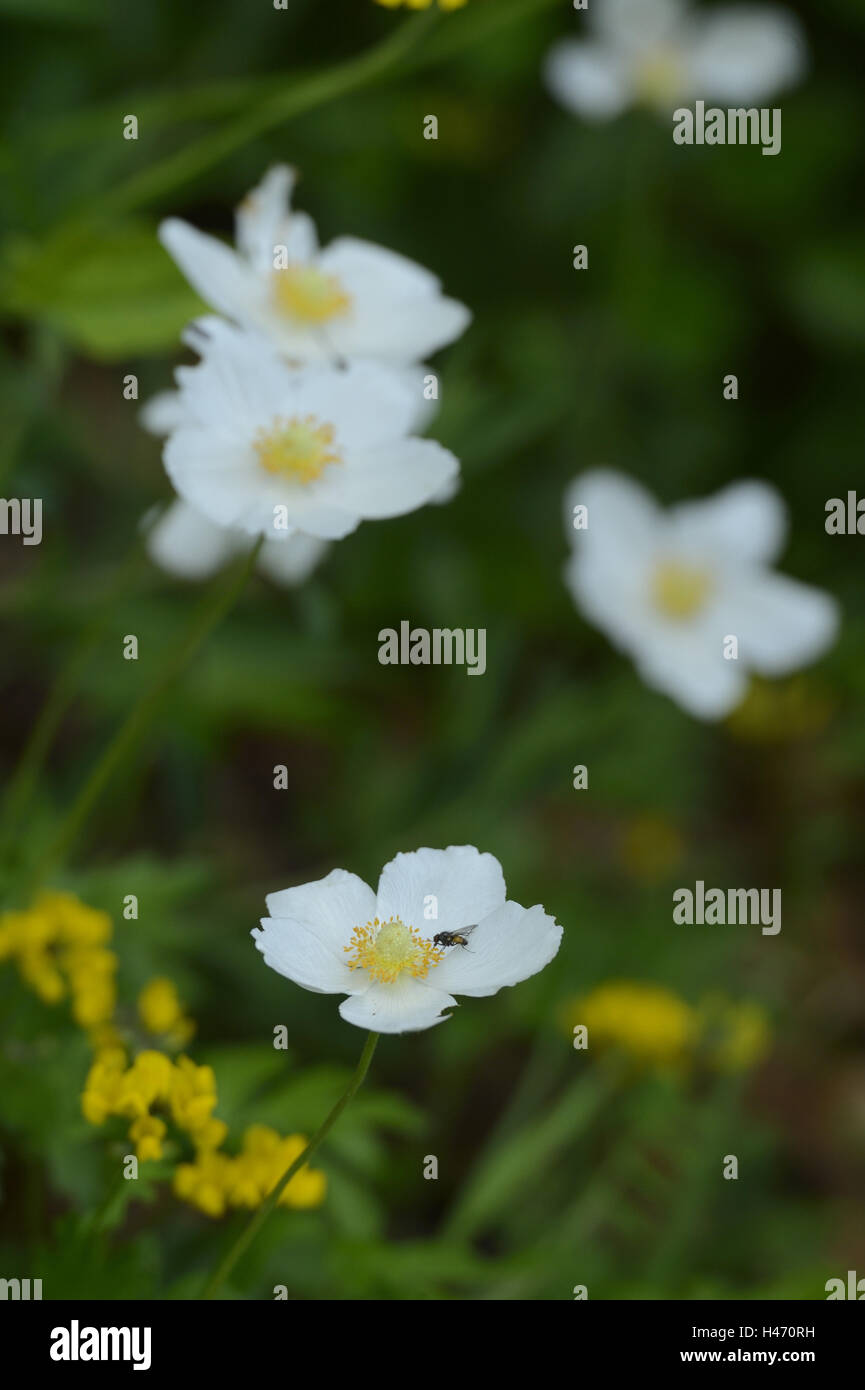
x: 209, y: 613
x: 295, y: 98
x: 251, y: 1230
x: 416, y: 44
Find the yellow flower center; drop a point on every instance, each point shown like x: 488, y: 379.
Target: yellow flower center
x: 658, y: 78
x: 678, y: 590
x: 385, y: 949
x: 298, y: 449
x: 308, y: 295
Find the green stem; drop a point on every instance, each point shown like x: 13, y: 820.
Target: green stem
x: 209, y: 613
x: 297, y: 96
x: 252, y: 1228
x: 293, y: 100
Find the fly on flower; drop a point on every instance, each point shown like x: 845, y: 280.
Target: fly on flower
x: 453, y: 938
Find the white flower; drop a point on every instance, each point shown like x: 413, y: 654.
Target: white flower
x: 669, y: 588
x: 188, y: 545
x: 337, y: 936
x: 271, y: 449
x: 352, y: 299
x: 659, y: 52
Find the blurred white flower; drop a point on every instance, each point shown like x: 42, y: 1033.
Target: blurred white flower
x: 660, y: 52
x: 188, y: 545
x: 337, y: 936
x: 271, y: 450
x: 352, y: 299
x: 669, y: 587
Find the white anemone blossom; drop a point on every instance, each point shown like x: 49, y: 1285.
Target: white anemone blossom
x: 661, y: 52
x: 352, y: 299
x: 337, y: 936
x: 670, y: 588
x: 188, y: 545
x: 274, y: 450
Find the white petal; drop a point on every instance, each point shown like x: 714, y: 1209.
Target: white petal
x: 781, y: 624
x: 392, y: 480
x: 218, y: 478
x: 620, y: 512
x: 746, y: 521
x: 218, y: 274
x: 260, y: 217
x: 415, y: 375
x: 693, y: 672
x: 368, y: 403
x: 352, y: 259
x: 331, y: 907
x: 162, y: 413
x: 637, y: 24
x: 398, y: 313
x: 300, y: 239
x: 291, y: 561
x: 464, y: 885
x: 746, y: 54
x: 607, y: 571
x: 187, y: 544
x: 506, y: 947
x: 406, y: 1006
x: 318, y: 519
x: 298, y: 953
x: 240, y: 383
x: 589, y: 78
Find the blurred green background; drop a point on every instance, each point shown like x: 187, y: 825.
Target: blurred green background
x: 556, y: 1167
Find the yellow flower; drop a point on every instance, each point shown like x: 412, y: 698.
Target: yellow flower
x: 37, y: 969
x: 75, y: 922
x: 147, y: 1134
x: 655, y: 1027
x: 216, y: 1181
x: 204, y: 1183
x: 152, y: 1075
x: 647, y: 1022
x: 193, y: 1095
x: 264, y: 1158
x: 160, y: 1011
x: 737, y: 1036
x: 210, y: 1135
x: 103, y: 1085
x: 94, y: 993
x: 59, y: 944
x: 422, y: 4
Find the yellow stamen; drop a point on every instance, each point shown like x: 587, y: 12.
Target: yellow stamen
x: 308, y: 295
x: 679, y: 590
x: 299, y: 449
x: 659, y: 77
x: 386, y: 949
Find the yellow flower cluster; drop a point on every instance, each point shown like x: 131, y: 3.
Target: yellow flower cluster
x: 216, y: 1181
x: 187, y: 1093
x: 655, y: 1027
x: 59, y: 946
x: 162, y: 1014
x: 422, y: 4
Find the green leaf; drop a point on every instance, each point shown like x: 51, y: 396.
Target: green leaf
x: 111, y: 291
